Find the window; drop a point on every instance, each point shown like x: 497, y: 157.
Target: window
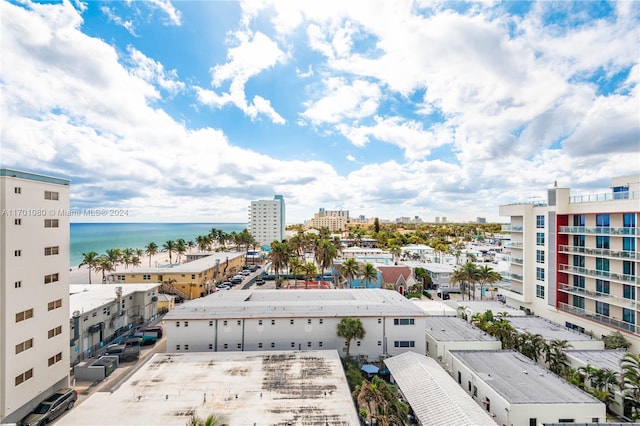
x: 146, y: 277
x: 539, y: 291
x: 186, y: 347
x: 628, y: 315
x: 320, y: 320
x: 308, y: 344
x: 540, y: 274
x: 540, y: 221
x: 293, y: 344
x: 487, y: 403
x: 533, y: 422
x: 578, y: 240
x: 379, y: 342
x: 17, y: 190
x: 54, y: 359
x: 17, y: 284
x: 629, y: 220
x: 273, y: 322
x: 17, y: 253
x: 602, y: 308
x: 320, y: 344
x: 17, y: 221
x: 602, y: 264
x: 24, y: 315
x: 469, y: 385
x: 177, y: 347
x: 273, y: 345
x: 404, y: 344
x: 120, y: 277
x: 603, y: 286
x: 628, y: 292
x: 540, y: 238
x: 578, y: 220
x: 178, y: 323
x: 578, y: 302
x: 259, y: 322
x: 309, y: 321
x: 186, y: 323
x: 379, y: 320
x: 475, y: 390
x: 54, y: 332
x: 539, y: 256
x: 51, y: 223
x: 51, y: 195
x: 94, y: 314
x: 210, y: 323
x: 224, y: 323
x: 210, y: 346
x: 628, y: 244
x: 49, y: 251
x: 54, y: 305
x: 51, y: 278
x: 602, y: 242
x: 291, y: 322
x: 21, y: 378
x: 239, y: 322
x: 628, y: 267
x: 225, y: 346
x: 403, y: 321
x: 578, y: 261
x: 21, y: 347
x: 260, y: 345
x: 106, y: 310
x: 602, y: 220
x: 193, y: 276
x: 578, y: 281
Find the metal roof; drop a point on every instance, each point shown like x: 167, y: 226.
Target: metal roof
x: 549, y: 330
x: 454, y: 329
x: 268, y: 388
x: 86, y: 297
x: 435, y: 397
x: 601, y: 359
x: 519, y: 380
x: 259, y: 303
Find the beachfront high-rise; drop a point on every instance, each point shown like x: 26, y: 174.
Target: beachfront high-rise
x: 34, y: 290
x: 267, y: 220
x: 575, y: 259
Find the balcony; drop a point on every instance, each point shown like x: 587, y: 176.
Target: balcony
x: 510, y: 276
x: 515, y: 244
x: 594, y: 273
x: 512, y: 228
x: 517, y: 260
x: 594, y: 198
x: 598, y: 230
x: 602, y: 319
x: 601, y: 297
x: 617, y: 254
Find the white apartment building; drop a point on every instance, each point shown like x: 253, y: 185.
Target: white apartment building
x: 34, y: 290
x: 575, y: 259
x: 265, y: 320
x: 267, y: 220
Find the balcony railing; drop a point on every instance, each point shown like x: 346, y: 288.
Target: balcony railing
x: 512, y: 228
x: 603, y: 297
x: 594, y: 198
x: 510, y: 276
x: 517, y: 260
x: 595, y: 273
x: 594, y: 316
x: 515, y: 244
x: 599, y: 230
x: 618, y: 254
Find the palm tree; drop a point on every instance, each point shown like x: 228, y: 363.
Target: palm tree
x: 486, y: 275
x: 104, y: 266
x: 126, y: 257
x: 90, y: 259
x: 465, y: 275
x: 295, y: 266
x: 181, y: 248
x: 114, y: 256
x: 369, y: 274
x: 215, y: 419
x: 151, y: 249
x: 170, y: 247
x: 279, y: 256
x: 531, y: 345
x: 630, y: 383
x: 504, y: 331
x: 349, y: 270
x: 555, y: 357
x: 309, y: 270
x: 349, y: 329
x: 135, y: 261
x: 325, y: 253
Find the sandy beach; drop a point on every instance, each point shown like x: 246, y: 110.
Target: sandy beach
x: 80, y: 275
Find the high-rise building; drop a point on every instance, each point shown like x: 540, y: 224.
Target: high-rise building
x: 575, y: 259
x: 34, y: 290
x: 267, y: 220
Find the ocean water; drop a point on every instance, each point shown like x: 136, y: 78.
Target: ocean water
x: 99, y: 237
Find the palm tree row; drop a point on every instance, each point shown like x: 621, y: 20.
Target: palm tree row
x: 109, y: 261
x: 470, y: 274
x: 350, y: 270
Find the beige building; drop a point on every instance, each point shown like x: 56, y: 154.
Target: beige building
x: 188, y: 280
x: 34, y: 290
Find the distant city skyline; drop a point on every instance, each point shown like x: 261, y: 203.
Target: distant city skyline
x: 188, y: 111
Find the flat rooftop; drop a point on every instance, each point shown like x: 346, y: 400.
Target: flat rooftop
x: 258, y: 303
x: 454, y: 329
x: 269, y: 388
x: 86, y: 297
x: 519, y: 380
x: 433, y: 394
x: 198, y: 265
x: 601, y: 359
x: 549, y: 330
x: 481, y: 306
x: 435, y: 307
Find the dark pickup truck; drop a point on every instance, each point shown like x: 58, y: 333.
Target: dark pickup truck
x: 128, y: 350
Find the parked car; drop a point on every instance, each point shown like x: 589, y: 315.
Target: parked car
x: 156, y: 328
x: 254, y: 268
x: 128, y: 351
x: 236, y: 280
x: 259, y: 281
x: 147, y: 337
x: 245, y: 272
x: 51, y: 408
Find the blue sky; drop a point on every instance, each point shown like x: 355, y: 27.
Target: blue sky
x: 188, y: 110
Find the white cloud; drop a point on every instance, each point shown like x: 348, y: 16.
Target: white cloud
x: 154, y: 72
x: 341, y: 100
x: 350, y: 157
x: 174, y: 17
x: 113, y: 17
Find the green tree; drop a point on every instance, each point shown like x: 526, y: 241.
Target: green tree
x: 279, y: 256
x: 615, y: 340
x: 181, y: 248
x: 114, y: 256
x: 349, y: 329
x: 127, y: 254
x: 90, y: 259
x: 630, y: 383
x: 531, y: 345
x: 465, y: 275
x: 369, y: 274
x: 486, y: 275
x: 325, y: 253
x: 169, y: 247
x: 350, y: 270
x: 309, y: 270
x: 151, y: 250
x: 556, y: 358
x: 104, y: 266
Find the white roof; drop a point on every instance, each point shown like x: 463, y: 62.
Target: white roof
x: 601, y: 359
x: 259, y: 303
x: 197, y: 265
x: 87, y: 297
x: 433, y: 394
x: 454, y: 329
x: 435, y: 307
x: 549, y: 330
x: 269, y: 388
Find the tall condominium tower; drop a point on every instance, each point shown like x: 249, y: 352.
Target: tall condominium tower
x: 34, y: 290
x: 575, y: 259
x: 267, y: 220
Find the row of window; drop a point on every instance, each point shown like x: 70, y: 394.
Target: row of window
x: 23, y: 377
x: 396, y: 321
x: 604, y: 220
x: 48, y: 195
x: 602, y: 308
x: 48, y: 251
x: 398, y: 344
x: 26, y: 314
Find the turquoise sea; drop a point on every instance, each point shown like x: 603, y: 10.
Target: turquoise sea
x: 99, y: 237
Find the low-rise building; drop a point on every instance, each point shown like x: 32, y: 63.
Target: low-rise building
x: 550, y: 330
x: 370, y: 255
x: 444, y: 334
x: 517, y: 391
x: 433, y: 395
x: 260, y: 320
x: 188, y: 280
x: 435, y: 308
x: 472, y: 307
x: 101, y: 312
x: 247, y: 388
